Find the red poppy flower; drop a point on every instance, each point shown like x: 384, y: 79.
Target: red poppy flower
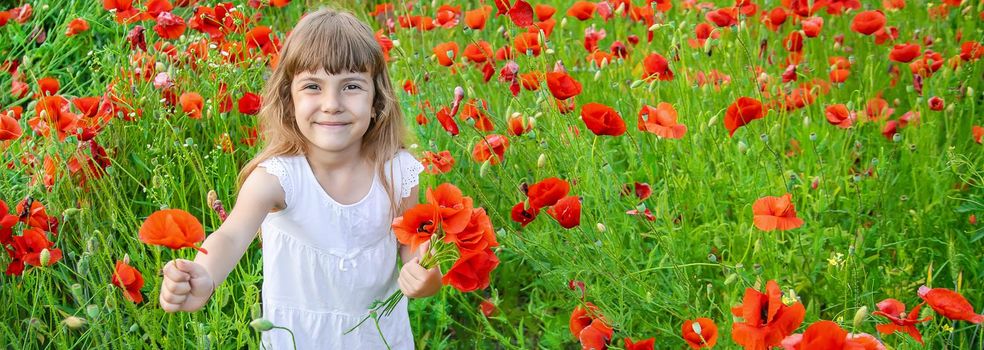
x: 567, y: 211
x: 130, y: 280
x: 471, y: 271
x: 878, y: 109
x: 776, y: 213
x: 9, y: 128
x: 262, y: 37
x: 472, y: 112
x: 124, y: 10
x: 700, y: 333
x: 978, y: 132
x: 172, y: 228
x: 544, y: 11
x: 191, y: 104
x: 446, y: 53
x: 661, y: 120
x: 475, y: 19
x: 479, y: 51
x: 76, y: 26
x: 523, y: 215
x: 31, y: 243
x: 936, y: 103
x: 521, y: 13
x: 47, y: 86
x: 602, y: 120
x: 949, y: 304
x: 741, y: 112
x: 562, y: 86
x: 447, y: 122
x: 36, y: 216
x: 766, y: 319
x: 476, y: 235
x: 447, y: 16
x: 837, y: 114
x: 904, y: 53
x: 582, y: 10
x: 517, y: 125
x: 812, y: 26
x: 249, y: 104
x: 645, y: 344
x: 527, y: 43
x: 492, y: 148
x: 417, y: 224
x: 868, y: 22
x: 723, y: 17
x: 169, y: 26
x: 655, y: 66
x: 437, y: 163
x: 487, y: 308
x: 547, y: 192
x: 596, y: 335
x: 894, y: 311
x: 454, y: 208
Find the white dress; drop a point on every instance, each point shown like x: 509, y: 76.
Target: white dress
x: 324, y: 262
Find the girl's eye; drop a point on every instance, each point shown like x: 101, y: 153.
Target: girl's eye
x: 353, y: 86
x: 309, y: 86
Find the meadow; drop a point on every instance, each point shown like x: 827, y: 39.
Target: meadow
x: 706, y: 173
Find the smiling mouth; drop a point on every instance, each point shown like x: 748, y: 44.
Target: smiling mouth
x: 332, y: 124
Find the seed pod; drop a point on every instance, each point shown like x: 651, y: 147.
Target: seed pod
x: 860, y: 315
x: 73, y: 322
x: 261, y: 324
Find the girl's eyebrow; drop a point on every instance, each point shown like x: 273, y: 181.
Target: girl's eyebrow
x: 355, y: 78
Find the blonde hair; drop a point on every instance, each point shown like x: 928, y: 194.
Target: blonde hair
x: 337, y: 42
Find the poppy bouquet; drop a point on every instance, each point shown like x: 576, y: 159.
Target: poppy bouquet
x: 459, y: 235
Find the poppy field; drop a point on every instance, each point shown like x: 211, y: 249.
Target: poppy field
x: 658, y: 174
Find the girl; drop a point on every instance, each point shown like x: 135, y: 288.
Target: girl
x: 324, y: 189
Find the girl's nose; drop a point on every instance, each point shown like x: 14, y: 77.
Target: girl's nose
x: 331, y: 103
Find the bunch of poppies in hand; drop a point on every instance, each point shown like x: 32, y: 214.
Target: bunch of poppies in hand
x: 457, y: 233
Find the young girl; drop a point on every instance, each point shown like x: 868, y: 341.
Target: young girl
x: 324, y: 189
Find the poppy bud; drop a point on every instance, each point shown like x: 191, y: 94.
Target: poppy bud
x: 82, y: 267
x: 815, y: 183
x: 597, y: 75
x: 73, y: 322
x: 742, y: 147
x: 636, y: 84
x: 93, y: 244
x: 396, y: 42
x: 730, y: 279
x: 563, y: 22
x: 601, y: 227
x: 261, y: 324
x: 92, y: 311
x: 126, y: 258
x: 45, y: 257
x: 133, y: 328
x: 806, y: 121
x: 484, y: 169
x: 764, y: 137
x: 541, y: 161
x: 860, y: 315
x: 713, y: 121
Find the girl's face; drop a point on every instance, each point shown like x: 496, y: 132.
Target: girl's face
x: 333, y: 111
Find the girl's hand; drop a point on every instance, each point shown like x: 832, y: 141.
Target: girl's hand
x: 416, y: 281
x: 187, y: 286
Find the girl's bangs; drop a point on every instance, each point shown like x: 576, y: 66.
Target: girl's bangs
x: 330, y: 44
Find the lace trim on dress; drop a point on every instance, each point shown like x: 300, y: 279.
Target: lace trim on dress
x: 411, y: 173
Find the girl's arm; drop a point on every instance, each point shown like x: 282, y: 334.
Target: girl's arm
x: 188, y: 285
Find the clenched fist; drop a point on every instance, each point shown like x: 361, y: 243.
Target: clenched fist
x: 417, y: 282
x: 187, y: 286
